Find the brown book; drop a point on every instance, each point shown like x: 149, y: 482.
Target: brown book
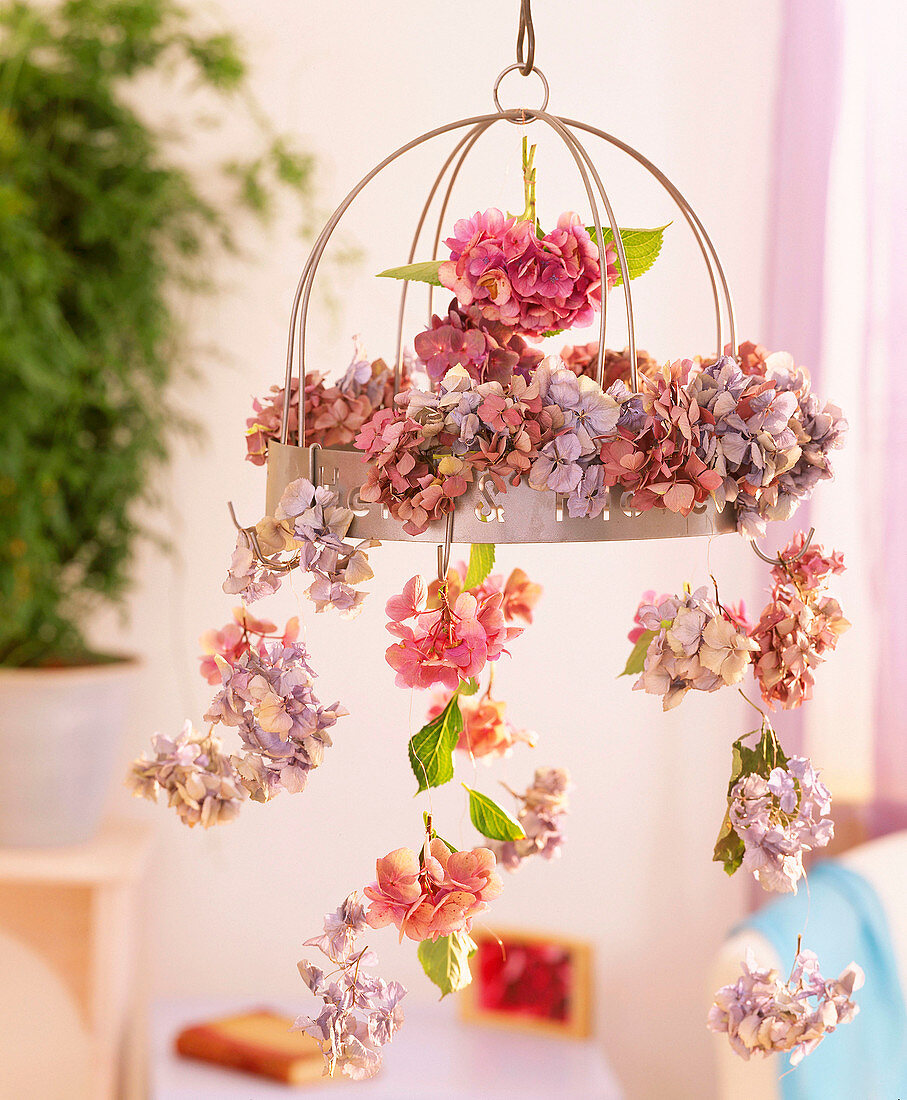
x: 256, y: 1042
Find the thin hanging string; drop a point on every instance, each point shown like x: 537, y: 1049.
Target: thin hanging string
x: 525, y: 40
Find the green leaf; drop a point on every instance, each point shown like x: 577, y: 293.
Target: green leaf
x: 767, y: 754
x: 490, y: 819
x: 637, y: 659
x: 446, y: 961
x: 481, y: 563
x: 468, y: 687
x: 426, y: 272
x: 641, y: 246
x: 431, y: 749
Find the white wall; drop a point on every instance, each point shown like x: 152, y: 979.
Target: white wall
x: 692, y: 87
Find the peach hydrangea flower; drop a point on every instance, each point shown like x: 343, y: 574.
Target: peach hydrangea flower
x: 436, y: 899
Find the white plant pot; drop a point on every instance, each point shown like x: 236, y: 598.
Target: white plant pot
x: 59, y: 734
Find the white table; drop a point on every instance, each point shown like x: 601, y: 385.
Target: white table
x: 433, y: 1057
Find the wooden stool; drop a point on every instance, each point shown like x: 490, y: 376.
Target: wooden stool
x: 68, y: 1015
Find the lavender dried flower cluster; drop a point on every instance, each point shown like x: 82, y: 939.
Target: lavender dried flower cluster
x: 819, y: 429
x: 199, y: 780
x: 543, y: 810
x: 361, y: 1012
x: 761, y: 1014
x: 696, y: 644
x: 778, y: 819
x: 270, y: 701
x: 308, y: 529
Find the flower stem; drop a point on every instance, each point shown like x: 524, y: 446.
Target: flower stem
x: 529, y: 213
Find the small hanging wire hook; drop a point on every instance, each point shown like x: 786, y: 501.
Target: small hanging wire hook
x: 525, y: 38
x: 778, y: 559
x: 444, y: 551
x: 314, y: 452
x: 251, y: 536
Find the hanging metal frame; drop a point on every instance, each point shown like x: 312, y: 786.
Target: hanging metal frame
x: 534, y: 519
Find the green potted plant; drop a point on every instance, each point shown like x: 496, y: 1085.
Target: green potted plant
x: 98, y: 225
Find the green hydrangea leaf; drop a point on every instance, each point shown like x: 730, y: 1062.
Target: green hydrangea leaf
x: 446, y: 961
x: 468, y: 687
x: 481, y: 563
x: 637, y: 659
x: 490, y: 819
x: 766, y: 755
x: 642, y: 247
x: 426, y: 272
x: 431, y: 749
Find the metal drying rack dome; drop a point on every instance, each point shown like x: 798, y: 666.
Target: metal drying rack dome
x: 482, y: 514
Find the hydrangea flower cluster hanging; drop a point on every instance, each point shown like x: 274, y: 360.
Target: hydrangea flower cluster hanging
x: 481, y: 408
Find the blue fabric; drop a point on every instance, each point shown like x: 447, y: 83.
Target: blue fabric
x: 867, y: 1058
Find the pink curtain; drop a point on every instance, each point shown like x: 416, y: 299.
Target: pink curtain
x: 842, y: 60
x: 809, y: 95
x: 886, y: 341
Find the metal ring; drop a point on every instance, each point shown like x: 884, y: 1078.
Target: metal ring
x: 497, y: 101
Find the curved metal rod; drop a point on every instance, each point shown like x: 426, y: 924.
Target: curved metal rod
x: 705, y: 256
x: 299, y: 310
x: 251, y: 536
x: 622, y: 259
x: 468, y: 140
x: 779, y: 559
x: 442, y: 213
x: 303, y: 291
x: 579, y: 155
x: 682, y: 203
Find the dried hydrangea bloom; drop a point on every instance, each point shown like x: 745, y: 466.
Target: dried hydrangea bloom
x: 490, y: 351
x: 269, y: 698
x: 543, y: 809
x: 487, y: 732
x: 583, y: 359
x: 199, y: 780
x: 696, y: 645
x: 360, y: 1012
x: 435, y: 897
x: 334, y: 413
x: 533, y: 285
x: 446, y: 644
x: 807, y: 569
x: 657, y: 459
x: 798, y: 626
x: 236, y: 638
x: 649, y: 600
x: 750, y: 442
x: 762, y: 1015
x: 780, y: 818
x: 310, y: 527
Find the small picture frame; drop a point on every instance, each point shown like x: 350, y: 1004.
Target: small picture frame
x: 530, y: 981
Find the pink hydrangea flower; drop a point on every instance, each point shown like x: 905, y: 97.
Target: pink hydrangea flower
x: 487, y: 732
x: 649, y: 599
x: 447, y: 644
x: 532, y: 284
x: 237, y: 638
x: 438, y: 898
